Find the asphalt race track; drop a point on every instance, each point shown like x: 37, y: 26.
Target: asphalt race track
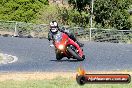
x: 36, y: 55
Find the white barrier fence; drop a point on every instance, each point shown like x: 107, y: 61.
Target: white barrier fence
x: 21, y: 29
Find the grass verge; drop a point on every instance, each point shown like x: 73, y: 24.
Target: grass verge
x: 58, y: 82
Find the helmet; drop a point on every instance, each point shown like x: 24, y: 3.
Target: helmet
x: 53, y: 26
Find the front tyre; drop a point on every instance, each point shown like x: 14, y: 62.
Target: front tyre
x: 74, y: 54
x: 59, y: 56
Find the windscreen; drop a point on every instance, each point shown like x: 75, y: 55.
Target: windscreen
x: 57, y: 37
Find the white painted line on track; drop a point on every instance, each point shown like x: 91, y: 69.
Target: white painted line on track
x: 8, y: 58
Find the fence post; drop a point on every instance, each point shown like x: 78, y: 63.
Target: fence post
x: 91, y: 20
x: 16, y: 31
x: 90, y: 34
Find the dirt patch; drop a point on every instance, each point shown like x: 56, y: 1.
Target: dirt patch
x: 21, y: 76
x: 6, y: 32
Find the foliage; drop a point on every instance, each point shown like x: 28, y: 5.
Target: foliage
x: 78, y: 19
x: 73, y: 17
x: 108, y: 13
x: 47, y: 14
x: 80, y: 13
x: 20, y: 10
x: 63, y: 15
x: 79, y: 4
x: 112, y: 13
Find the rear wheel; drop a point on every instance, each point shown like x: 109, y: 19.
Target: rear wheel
x: 83, y: 57
x: 74, y: 54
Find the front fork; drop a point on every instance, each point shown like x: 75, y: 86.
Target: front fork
x: 63, y: 53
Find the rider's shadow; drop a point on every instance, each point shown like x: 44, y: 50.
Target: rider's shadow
x: 66, y: 60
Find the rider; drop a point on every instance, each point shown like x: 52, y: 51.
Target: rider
x: 54, y: 28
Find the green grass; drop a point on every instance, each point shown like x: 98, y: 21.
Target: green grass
x: 56, y: 83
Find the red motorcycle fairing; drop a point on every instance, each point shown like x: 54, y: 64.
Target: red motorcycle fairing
x: 62, y: 41
x: 71, y: 42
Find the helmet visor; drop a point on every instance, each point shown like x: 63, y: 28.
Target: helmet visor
x: 54, y: 29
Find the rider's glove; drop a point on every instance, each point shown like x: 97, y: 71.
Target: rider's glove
x: 49, y: 39
x: 49, y: 36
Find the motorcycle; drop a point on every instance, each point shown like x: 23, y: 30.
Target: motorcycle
x: 66, y: 47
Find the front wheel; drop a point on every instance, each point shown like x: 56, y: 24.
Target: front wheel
x: 59, y: 56
x: 74, y: 54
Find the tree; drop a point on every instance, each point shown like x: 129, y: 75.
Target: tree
x: 112, y: 13
x: 80, y: 14
x: 79, y: 4
x: 20, y: 10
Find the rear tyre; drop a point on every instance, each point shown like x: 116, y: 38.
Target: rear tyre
x: 83, y: 57
x: 74, y: 54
